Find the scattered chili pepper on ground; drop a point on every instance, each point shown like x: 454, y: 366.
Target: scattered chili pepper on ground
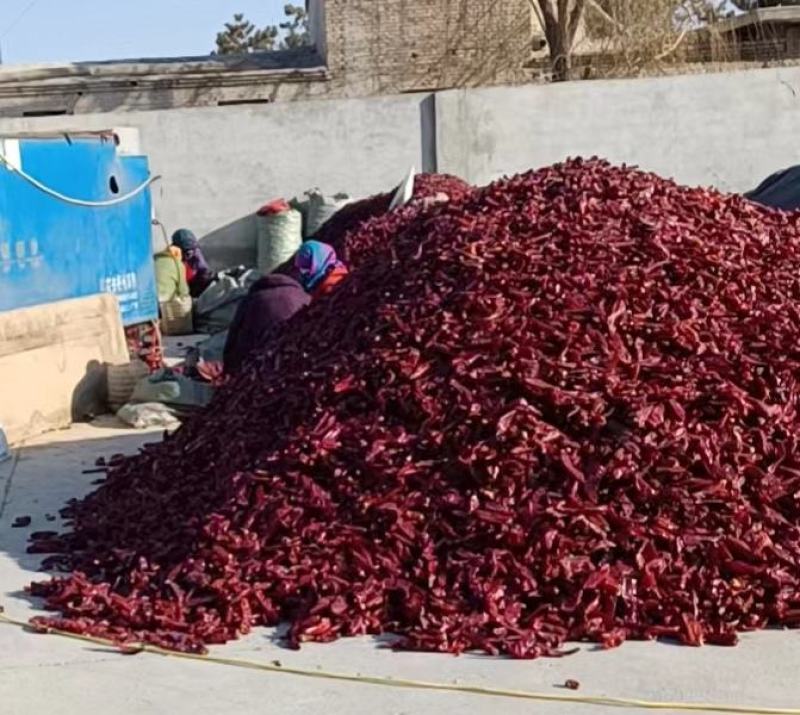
x: 21, y: 522
x: 41, y: 535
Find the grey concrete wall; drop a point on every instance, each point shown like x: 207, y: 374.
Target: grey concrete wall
x: 727, y: 130
x: 219, y: 165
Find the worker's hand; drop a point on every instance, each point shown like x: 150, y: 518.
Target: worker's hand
x: 211, y: 371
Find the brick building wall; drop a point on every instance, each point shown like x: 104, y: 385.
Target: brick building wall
x: 390, y: 46
x: 360, y: 48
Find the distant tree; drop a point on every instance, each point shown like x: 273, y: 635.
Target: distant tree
x: 295, y: 27
x: 631, y: 36
x: 241, y: 36
x: 635, y: 36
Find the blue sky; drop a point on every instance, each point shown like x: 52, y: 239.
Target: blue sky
x: 56, y: 31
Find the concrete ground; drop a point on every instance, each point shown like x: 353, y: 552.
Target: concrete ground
x: 48, y: 674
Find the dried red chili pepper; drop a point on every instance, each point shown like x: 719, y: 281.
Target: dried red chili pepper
x: 563, y: 407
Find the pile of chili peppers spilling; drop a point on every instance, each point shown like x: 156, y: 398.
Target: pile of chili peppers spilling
x: 345, y: 223
x: 560, y: 408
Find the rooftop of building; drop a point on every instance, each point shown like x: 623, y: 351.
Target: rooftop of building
x: 782, y: 14
x: 281, y: 64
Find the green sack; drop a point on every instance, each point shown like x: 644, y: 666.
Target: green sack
x: 279, y: 238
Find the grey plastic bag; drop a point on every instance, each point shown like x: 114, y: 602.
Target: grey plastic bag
x: 149, y: 414
x: 320, y: 208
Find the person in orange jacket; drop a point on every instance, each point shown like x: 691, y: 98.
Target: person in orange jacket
x: 318, y: 268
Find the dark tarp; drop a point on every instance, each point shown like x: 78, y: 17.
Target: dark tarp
x: 779, y: 191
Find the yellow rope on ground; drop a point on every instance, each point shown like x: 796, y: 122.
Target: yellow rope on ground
x: 424, y: 685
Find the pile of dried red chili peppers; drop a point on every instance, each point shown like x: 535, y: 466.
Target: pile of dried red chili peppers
x: 563, y: 407
x: 340, y: 228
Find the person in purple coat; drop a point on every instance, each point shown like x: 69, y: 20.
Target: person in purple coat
x: 272, y: 300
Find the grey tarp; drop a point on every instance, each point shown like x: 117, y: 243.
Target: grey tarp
x: 172, y: 389
x: 215, y: 308
x: 210, y: 350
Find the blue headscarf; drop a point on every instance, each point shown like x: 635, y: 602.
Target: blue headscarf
x: 314, y: 261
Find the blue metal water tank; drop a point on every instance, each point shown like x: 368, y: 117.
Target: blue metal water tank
x: 51, y: 249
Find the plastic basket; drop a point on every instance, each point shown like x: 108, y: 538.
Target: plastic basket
x: 176, y: 316
x: 122, y: 379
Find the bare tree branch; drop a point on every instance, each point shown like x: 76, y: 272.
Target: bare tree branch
x: 670, y: 50
x: 598, y: 8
